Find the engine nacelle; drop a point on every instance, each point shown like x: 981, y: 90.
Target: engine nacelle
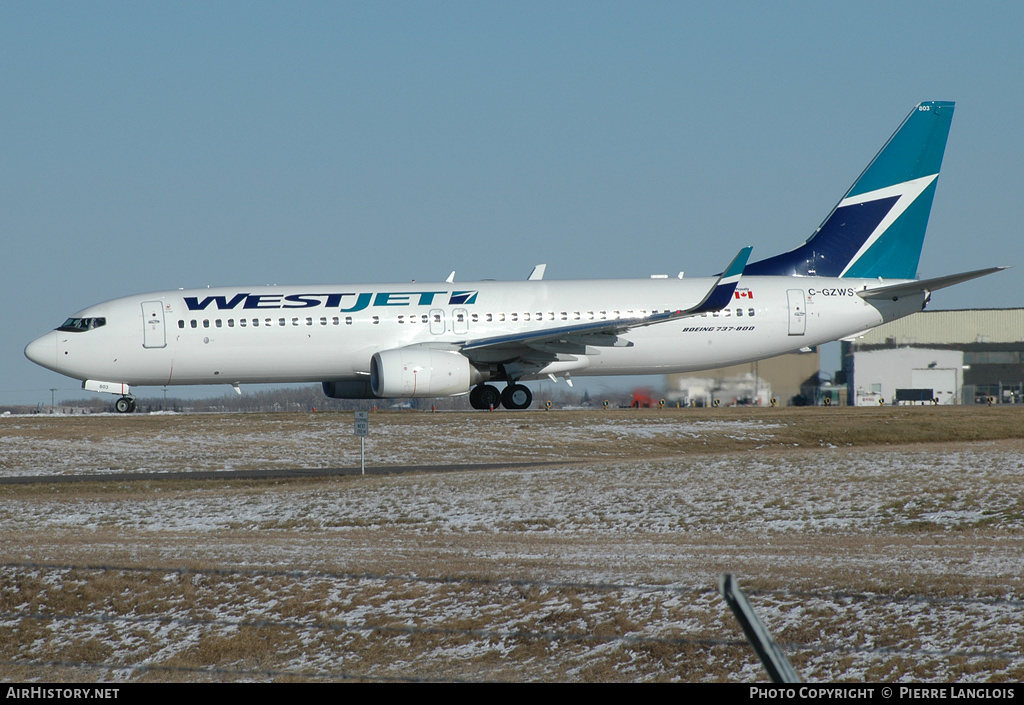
x: 420, y: 372
x: 360, y: 389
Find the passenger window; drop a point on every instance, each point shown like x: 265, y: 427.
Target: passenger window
x: 194, y: 323
x: 348, y: 320
x: 218, y: 323
x: 181, y: 323
x: 750, y: 312
x: 376, y: 320
x: 231, y: 323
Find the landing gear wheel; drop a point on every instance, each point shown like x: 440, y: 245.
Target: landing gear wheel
x: 125, y: 405
x: 484, y: 396
x: 490, y: 397
x: 516, y: 396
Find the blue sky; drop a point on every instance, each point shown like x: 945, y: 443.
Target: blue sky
x: 153, y: 146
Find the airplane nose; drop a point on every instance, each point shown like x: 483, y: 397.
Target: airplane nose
x: 43, y: 351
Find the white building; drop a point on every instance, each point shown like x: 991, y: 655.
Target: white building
x: 991, y: 342
x: 907, y: 376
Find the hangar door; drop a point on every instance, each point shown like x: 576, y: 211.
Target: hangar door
x: 942, y: 382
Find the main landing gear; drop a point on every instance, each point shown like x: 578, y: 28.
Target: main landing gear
x: 514, y: 396
x: 125, y: 405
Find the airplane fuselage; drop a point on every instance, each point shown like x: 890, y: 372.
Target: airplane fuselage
x: 243, y: 335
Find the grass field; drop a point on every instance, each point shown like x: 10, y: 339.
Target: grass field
x: 877, y: 544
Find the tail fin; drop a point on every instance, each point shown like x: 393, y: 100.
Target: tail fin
x: 877, y: 229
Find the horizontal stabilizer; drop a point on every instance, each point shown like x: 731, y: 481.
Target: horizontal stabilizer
x: 924, y: 285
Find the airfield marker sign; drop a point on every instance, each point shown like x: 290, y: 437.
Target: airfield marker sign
x: 362, y: 429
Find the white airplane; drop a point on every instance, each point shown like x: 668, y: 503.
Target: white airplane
x: 445, y: 339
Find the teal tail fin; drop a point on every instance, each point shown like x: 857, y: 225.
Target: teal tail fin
x: 877, y: 229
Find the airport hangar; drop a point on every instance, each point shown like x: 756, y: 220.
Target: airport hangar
x: 967, y: 356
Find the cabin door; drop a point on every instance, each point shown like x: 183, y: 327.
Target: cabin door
x: 154, y: 335
x: 797, y: 312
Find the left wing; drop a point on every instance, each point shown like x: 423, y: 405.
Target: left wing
x: 545, y: 344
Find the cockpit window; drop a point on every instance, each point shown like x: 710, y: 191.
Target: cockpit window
x: 77, y: 325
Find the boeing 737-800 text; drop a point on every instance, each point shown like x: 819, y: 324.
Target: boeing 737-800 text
x: 443, y: 339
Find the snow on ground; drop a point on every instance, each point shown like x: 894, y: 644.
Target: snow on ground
x: 871, y: 564
x: 183, y: 443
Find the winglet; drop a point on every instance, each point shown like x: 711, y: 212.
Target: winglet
x: 721, y: 293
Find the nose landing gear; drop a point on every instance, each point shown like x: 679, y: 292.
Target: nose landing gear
x: 125, y: 405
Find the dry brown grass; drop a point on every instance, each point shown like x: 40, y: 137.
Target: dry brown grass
x: 208, y: 623
x: 235, y: 441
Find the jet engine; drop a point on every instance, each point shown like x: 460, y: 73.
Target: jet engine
x: 421, y: 372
